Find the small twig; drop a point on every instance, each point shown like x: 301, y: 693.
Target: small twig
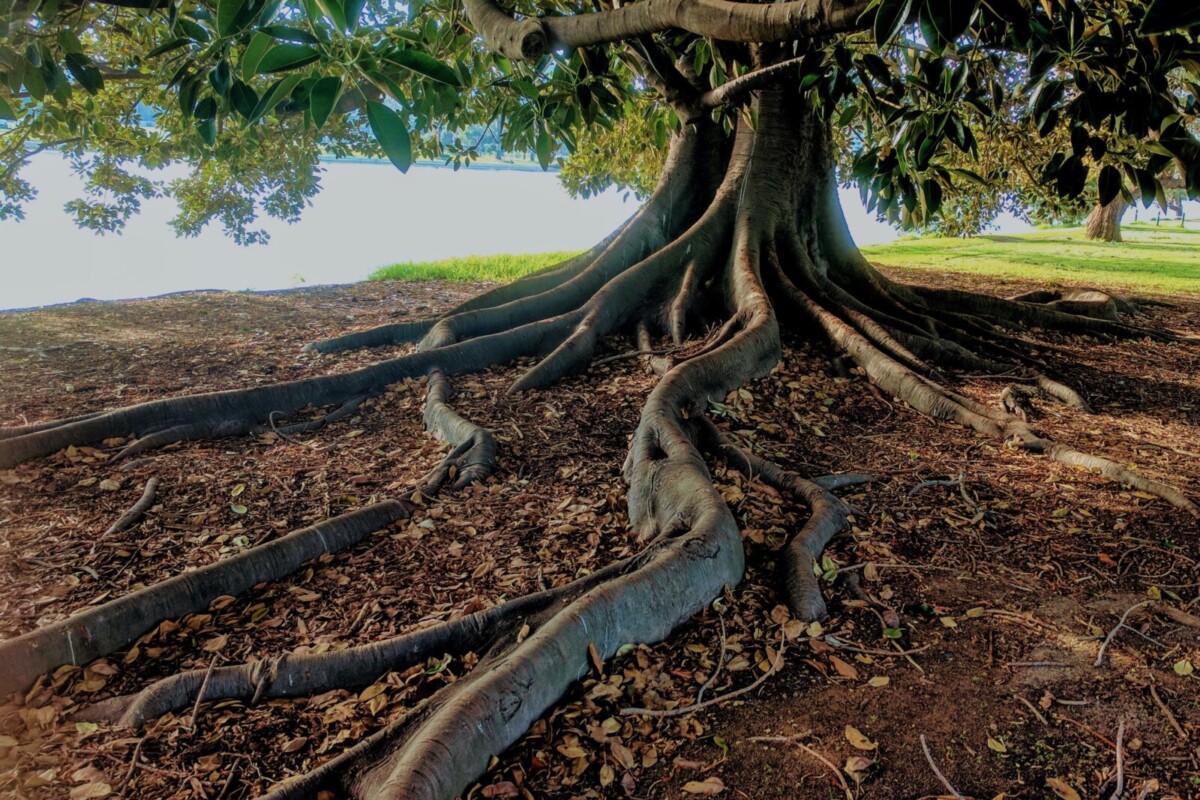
x: 720, y: 663
x: 1085, y: 728
x: 856, y: 567
x: 933, y: 766
x: 1176, y: 615
x: 285, y: 436
x: 866, y: 651
x: 837, y: 773
x: 907, y: 656
x: 1037, y: 664
x: 203, y: 688
x: 680, y: 711
x: 1120, y: 762
x: 133, y: 763
x: 1167, y: 712
x: 237, y: 759
x: 1114, y: 631
x: 634, y: 354
x: 935, y: 482
x: 136, y: 511
x: 1033, y: 708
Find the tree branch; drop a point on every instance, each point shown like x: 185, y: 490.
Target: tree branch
x: 743, y: 84
x: 726, y: 20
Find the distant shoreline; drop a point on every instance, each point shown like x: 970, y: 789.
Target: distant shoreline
x: 489, y: 166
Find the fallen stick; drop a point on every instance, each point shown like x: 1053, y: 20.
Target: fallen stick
x: 933, y: 766
x: 679, y: 712
x: 1167, y: 712
x: 837, y: 773
x: 200, y: 695
x: 1116, y: 630
x: 1178, y: 615
x: 137, y: 510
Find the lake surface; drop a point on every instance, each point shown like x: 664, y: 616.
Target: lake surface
x: 367, y: 215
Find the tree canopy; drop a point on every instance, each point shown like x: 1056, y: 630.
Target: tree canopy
x: 250, y: 93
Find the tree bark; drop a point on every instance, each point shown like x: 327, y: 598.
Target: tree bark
x: 1104, y: 222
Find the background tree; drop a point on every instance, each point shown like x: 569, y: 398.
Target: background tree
x: 743, y: 236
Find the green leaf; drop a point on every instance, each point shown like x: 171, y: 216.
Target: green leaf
x: 391, y: 133
x: 1146, y: 186
x: 167, y: 47
x: 283, y: 57
x: 6, y: 110
x: 1168, y: 15
x: 82, y: 70
x: 290, y: 34
x: 1110, y: 184
x: 889, y: 18
x: 323, y: 97
x: 353, y: 11
x: 950, y: 18
x: 334, y: 11
x: 206, y: 109
x: 219, y: 77
x: 253, y: 54
x: 274, y: 95
x: 228, y: 12
x: 423, y: 64
x: 207, y: 128
x: 543, y: 146
x: 243, y: 98
x: 187, y: 96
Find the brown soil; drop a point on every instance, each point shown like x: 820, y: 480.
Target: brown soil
x: 1027, y: 563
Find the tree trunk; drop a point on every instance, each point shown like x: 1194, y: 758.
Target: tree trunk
x: 744, y: 236
x: 1104, y: 222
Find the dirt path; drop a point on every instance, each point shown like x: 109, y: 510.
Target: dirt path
x: 1016, y: 573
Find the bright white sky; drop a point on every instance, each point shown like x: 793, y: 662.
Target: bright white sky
x: 366, y: 216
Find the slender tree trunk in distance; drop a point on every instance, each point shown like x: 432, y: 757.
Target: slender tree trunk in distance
x: 1104, y: 222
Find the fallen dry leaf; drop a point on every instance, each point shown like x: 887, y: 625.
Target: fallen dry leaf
x: 1062, y: 789
x: 858, y: 739
x: 709, y: 786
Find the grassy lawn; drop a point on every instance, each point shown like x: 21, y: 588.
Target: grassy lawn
x: 1151, y: 259
x: 1160, y: 259
x: 499, y: 268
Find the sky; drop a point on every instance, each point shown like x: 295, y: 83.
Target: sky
x: 367, y: 215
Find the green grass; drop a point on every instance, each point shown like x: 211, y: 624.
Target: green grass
x: 498, y: 268
x: 1151, y: 259
x: 1157, y: 259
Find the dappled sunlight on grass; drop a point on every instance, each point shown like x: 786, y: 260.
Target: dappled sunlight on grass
x: 1151, y: 258
x: 501, y: 268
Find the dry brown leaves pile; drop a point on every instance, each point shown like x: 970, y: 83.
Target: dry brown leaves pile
x: 984, y: 642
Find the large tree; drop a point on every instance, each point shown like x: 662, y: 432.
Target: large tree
x: 742, y: 237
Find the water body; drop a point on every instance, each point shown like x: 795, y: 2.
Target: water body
x: 367, y: 215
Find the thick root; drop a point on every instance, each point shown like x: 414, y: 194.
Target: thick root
x: 938, y: 402
x: 829, y: 516
x: 101, y: 630
x: 229, y: 413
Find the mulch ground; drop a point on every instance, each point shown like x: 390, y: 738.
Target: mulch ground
x: 1000, y: 588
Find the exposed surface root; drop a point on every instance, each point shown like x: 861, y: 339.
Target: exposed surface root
x: 298, y: 675
x: 137, y: 510
x: 102, y: 629
x: 1007, y: 421
x: 829, y: 516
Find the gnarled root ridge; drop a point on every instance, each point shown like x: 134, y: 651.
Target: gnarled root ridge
x: 100, y: 630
